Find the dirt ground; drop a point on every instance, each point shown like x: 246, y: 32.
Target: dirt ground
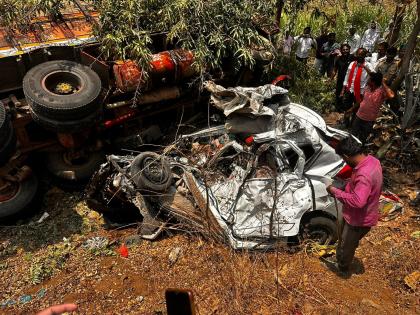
x: 43, y: 264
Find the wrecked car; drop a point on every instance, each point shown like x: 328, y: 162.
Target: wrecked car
x: 256, y: 179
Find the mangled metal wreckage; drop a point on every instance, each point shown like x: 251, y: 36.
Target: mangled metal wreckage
x: 259, y: 178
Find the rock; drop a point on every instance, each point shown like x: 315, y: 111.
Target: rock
x: 174, y: 255
x: 139, y: 299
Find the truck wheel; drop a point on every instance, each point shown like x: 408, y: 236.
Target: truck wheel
x: 8, y: 145
x: 4, y: 124
x: 18, y: 197
x: 70, y: 126
x: 151, y: 172
x: 323, y: 230
x: 76, y: 169
x: 62, y: 90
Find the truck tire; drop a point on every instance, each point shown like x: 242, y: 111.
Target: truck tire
x: 151, y: 173
x: 21, y: 200
x: 4, y: 126
x: 57, y: 165
x: 70, y: 126
x: 322, y: 229
x: 8, y: 145
x: 62, y: 90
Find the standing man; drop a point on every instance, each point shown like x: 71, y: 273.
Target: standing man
x: 360, y: 200
x: 320, y: 41
x: 287, y: 44
x: 340, y: 69
x: 377, y: 56
x: 353, y: 40
x: 304, y: 44
x: 370, y: 37
x: 377, y: 91
x: 329, y: 52
x: 388, y: 66
x: 354, y: 83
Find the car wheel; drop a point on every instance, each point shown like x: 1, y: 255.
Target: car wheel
x: 8, y: 144
x: 151, y: 172
x: 74, y: 169
x: 18, y: 196
x: 323, y: 230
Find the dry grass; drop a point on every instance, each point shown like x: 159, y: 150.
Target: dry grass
x: 224, y: 281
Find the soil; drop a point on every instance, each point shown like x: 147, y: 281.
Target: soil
x: 289, y: 280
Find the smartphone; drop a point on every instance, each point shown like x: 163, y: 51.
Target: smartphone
x: 179, y: 302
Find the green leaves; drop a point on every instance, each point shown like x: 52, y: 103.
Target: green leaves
x: 214, y: 29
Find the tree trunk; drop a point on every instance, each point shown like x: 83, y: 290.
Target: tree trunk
x: 411, y: 46
x: 397, y: 23
x: 280, y: 6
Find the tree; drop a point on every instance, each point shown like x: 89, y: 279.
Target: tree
x: 397, y: 21
x: 214, y: 29
x: 411, y: 46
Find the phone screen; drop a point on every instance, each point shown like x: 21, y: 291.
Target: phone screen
x: 179, y: 302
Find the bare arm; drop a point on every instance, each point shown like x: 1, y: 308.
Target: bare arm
x: 389, y: 93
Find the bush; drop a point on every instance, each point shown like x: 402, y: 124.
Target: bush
x: 308, y: 87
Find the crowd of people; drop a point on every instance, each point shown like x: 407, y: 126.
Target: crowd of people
x: 364, y: 68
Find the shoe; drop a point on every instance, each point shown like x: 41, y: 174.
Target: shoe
x: 334, y: 267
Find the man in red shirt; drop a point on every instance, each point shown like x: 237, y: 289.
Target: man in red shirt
x: 374, y: 96
x: 355, y: 83
x: 360, y: 199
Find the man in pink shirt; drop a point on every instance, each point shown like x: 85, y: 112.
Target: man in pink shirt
x: 360, y: 200
x: 374, y: 96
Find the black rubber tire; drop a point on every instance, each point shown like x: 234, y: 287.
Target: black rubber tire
x: 57, y: 166
x: 8, y: 147
x: 22, y: 200
x: 70, y: 126
x: 49, y: 105
x: 323, y: 230
x: 151, y: 173
x: 4, y: 125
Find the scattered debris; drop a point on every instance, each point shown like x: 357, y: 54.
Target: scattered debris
x: 174, y: 255
x: 99, y: 246
x: 413, y: 280
x: 390, y: 206
x: 43, y: 217
x: 97, y: 242
x: 322, y: 250
x: 415, y: 234
x: 26, y: 298
x: 370, y: 303
x: 123, y: 251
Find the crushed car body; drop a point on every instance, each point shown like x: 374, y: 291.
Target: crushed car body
x: 259, y: 178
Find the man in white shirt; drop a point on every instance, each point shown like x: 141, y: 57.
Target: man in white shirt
x: 353, y: 40
x: 355, y: 82
x: 379, y: 55
x: 304, y: 44
x: 370, y: 37
x: 287, y: 43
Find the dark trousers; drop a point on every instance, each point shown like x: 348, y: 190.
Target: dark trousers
x: 350, y: 237
x: 361, y: 129
x: 348, y: 100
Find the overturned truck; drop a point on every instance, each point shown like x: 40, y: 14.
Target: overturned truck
x: 256, y: 179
